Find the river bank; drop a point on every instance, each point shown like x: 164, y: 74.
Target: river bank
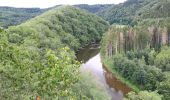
x: 107, y: 63
x: 91, y: 59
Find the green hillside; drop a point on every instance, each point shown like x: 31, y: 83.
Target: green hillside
x: 138, y: 51
x: 129, y: 12
x: 38, y: 47
x: 139, y: 56
x: 133, y: 10
x: 122, y: 13
x: 155, y: 9
x: 37, y: 57
x: 14, y: 16
x: 10, y: 16
x: 94, y: 8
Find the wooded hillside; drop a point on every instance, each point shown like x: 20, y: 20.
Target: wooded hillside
x: 37, y: 57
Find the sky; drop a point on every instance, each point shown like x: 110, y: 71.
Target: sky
x: 51, y: 3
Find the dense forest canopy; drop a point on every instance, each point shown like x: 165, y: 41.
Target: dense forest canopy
x: 128, y: 13
x: 37, y: 57
x: 134, y: 10
x: 139, y: 49
x: 140, y: 54
x: 94, y: 8
x: 14, y: 16
x: 10, y: 16
x: 37, y: 49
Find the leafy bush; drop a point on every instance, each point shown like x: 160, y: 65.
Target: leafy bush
x: 143, y: 95
x: 162, y: 60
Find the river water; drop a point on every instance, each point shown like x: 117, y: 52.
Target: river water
x: 91, y: 60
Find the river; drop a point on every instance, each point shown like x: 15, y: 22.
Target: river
x: 91, y: 60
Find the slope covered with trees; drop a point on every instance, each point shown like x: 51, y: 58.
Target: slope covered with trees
x: 38, y: 59
x: 140, y: 54
x: 10, y: 16
x: 13, y: 16
x: 131, y: 11
x: 38, y: 56
x: 121, y: 13
x: 155, y: 9
x: 94, y: 8
x: 128, y: 13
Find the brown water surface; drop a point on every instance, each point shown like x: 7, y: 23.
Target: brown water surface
x: 90, y: 57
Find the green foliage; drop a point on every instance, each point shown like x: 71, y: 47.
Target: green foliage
x: 155, y: 9
x: 137, y: 71
x: 90, y: 88
x: 128, y: 13
x: 24, y: 76
x: 37, y: 58
x: 164, y: 86
x: 13, y: 16
x: 1, y: 30
x: 93, y: 8
x: 132, y: 11
x: 143, y: 95
x: 122, y: 13
x: 72, y: 26
x: 138, y: 54
x: 163, y: 59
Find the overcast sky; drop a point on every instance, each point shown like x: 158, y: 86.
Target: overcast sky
x: 50, y: 3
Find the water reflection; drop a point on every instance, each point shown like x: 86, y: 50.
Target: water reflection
x: 92, y: 62
x: 87, y: 52
x: 114, y: 82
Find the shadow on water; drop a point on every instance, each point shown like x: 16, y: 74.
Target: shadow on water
x: 90, y: 57
x: 113, y: 82
x: 87, y: 52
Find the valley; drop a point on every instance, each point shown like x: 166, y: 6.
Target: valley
x: 86, y: 52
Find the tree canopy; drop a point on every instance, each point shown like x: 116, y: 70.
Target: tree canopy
x: 37, y: 58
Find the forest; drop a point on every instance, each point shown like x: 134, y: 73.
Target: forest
x: 140, y: 54
x: 37, y: 58
x: 11, y: 16
x: 38, y: 50
x: 137, y: 49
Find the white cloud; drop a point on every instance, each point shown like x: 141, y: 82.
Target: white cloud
x: 50, y: 3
